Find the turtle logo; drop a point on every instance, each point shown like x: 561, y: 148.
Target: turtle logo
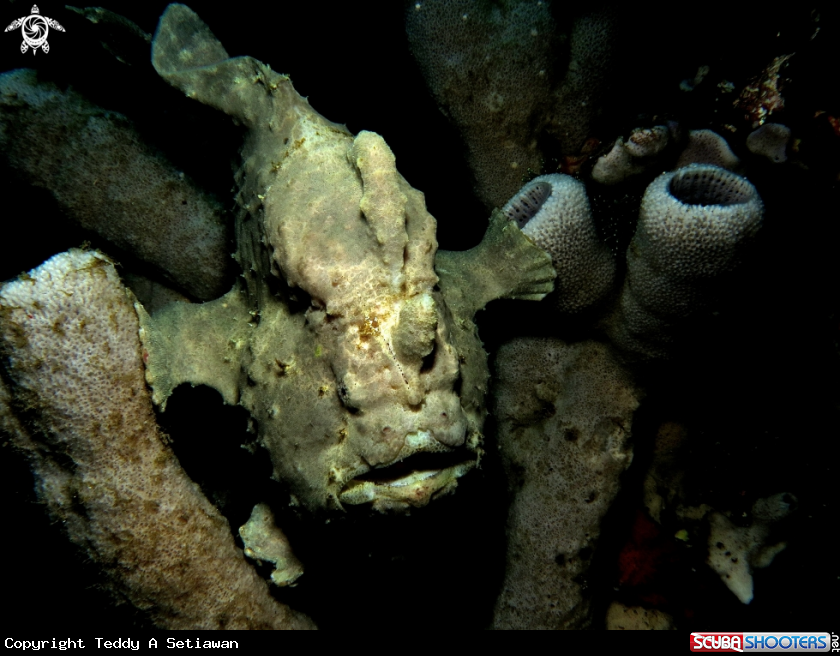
x: 35, y: 29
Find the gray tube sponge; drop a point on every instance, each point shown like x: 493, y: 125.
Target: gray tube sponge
x: 489, y: 67
x: 708, y: 147
x: 553, y: 210
x: 580, y: 96
x: 631, y: 157
x: 692, y: 225
x: 509, y: 79
x: 565, y: 415
x: 116, y: 186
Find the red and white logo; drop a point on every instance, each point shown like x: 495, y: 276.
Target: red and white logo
x: 766, y: 642
x: 717, y: 642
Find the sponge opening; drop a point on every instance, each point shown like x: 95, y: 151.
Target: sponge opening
x: 709, y: 186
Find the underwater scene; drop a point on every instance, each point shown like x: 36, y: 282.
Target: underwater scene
x: 516, y: 313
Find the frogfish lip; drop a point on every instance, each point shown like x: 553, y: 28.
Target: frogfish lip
x: 411, y: 482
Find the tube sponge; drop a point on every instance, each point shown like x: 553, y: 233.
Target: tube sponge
x: 634, y: 156
x: 581, y: 94
x: 707, y: 147
x: 565, y: 414
x: 72, y: 366
x: 692, y: 225
x: 117, y: 186
x: 489, y: 67
x: 553, y: 210
x: 496, y: 70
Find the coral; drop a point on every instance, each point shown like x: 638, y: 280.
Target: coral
x: 669, y: 540
x: 647, y: 142
x: 635, y: 618
x: 119, y: 187
x: 617, y: 165
x: 762, y: 96
x: 491, y: 68
x: 693, y: 225
x: 632, y: 157
x: 649, y: 149
x: 89, y: 432
x: 644, y: 554
x: 553, y: 210
x: 735, y: 550
x: 771, y: 141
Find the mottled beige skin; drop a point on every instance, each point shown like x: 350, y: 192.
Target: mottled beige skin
x: 340, y: 338
x: 381, y: 365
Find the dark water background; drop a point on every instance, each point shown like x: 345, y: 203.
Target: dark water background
x: 758, y: 386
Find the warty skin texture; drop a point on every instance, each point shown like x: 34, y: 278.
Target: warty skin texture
x: 377, y: 351
x: 333, y: 87
x: 340, y: 339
